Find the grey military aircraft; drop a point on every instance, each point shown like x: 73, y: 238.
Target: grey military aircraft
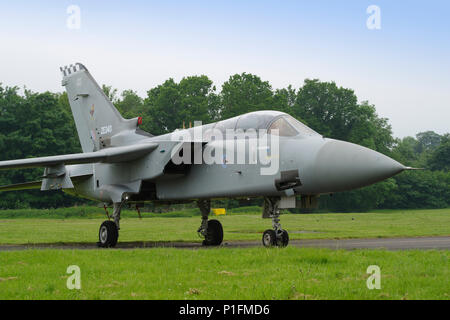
x: 122, y: 164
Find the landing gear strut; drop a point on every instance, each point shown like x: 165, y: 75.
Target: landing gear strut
x: 210, y: 230
x: 108, y: 233
x: 276, y: 237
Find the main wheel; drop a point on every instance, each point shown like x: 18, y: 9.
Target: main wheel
x: 283, y: 239
x: 269, y: 238
x: 214, y: 234
x: 108, y: 234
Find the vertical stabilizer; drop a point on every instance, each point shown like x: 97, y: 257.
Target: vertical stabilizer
x: 96, y: 118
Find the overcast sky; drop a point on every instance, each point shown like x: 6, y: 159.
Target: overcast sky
x: 403, y: 68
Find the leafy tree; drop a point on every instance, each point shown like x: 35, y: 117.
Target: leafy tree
x: 162, y: 107
x: 420, y: 189
x: 327, y: 108
x: 244, y: 93
x: 110, y: 92
x: 369, y: 130
x: 427, y: 141
x: 130, y: 105
x: 440, y: 158
x: 33, y: 125
x: 419, y: 152
x: 198, y: 99
x: 405, y: 151
x: 334, y: 112
x: 360, y: 200
x: 170, y: 104
x: 285, y: 100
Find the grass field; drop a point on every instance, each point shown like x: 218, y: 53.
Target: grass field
x: 255, y: 273
x: 226, y: 273
x: 236, y: 227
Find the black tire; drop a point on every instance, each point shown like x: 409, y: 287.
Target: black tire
x: 108, y: 235
x: 214, y: 234
x: 283, y: 239
x: 269, y: 238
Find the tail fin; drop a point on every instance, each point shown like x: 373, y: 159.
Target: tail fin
x: 96, y: 118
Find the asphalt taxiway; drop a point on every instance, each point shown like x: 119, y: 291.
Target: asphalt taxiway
x: 422, y: 243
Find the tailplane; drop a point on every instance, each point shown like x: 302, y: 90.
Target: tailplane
x: 96, y: 119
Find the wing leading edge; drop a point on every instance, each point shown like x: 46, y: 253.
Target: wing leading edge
x: 109, y: 155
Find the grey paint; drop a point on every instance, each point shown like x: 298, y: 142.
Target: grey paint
x: 110, y: 155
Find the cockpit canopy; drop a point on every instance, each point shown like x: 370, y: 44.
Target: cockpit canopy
x: 274, y: 122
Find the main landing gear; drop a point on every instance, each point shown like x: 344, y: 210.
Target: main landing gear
x: 108, y: 233
x: 276, y: 237
x: 210, y: 230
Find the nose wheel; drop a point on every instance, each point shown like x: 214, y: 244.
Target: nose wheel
x: 276, y: 237
x: 270, y: 238
x: 283, y: 239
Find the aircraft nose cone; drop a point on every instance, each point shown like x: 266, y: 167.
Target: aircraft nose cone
x: 344, y: 166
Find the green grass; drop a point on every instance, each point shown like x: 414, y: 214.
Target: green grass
x: 87, y: 212
x: 255, y: 273
x: 236, y: 227
x: 225, y: 273
x: 92, y: 212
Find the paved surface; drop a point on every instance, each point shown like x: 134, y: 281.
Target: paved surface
x: 423, y: 243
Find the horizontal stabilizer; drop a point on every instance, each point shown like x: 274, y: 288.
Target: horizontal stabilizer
x: 22, y: 186
x: 108, y: 155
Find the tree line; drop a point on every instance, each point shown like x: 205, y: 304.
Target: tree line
x: 40, y: 124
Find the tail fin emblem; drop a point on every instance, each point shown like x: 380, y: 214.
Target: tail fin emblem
x: 68, y: 70
x: 92, y: 111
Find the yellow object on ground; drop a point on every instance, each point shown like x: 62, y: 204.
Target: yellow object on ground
x: 219, y: 211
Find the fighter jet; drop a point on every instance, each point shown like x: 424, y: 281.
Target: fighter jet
x: 265, y: 154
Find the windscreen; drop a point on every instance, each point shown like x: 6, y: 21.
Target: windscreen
x: 282, y: 128
x: 288, y: 126
x: 300, y: 127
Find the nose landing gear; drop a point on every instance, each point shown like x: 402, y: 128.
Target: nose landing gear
x: 276, y: 237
